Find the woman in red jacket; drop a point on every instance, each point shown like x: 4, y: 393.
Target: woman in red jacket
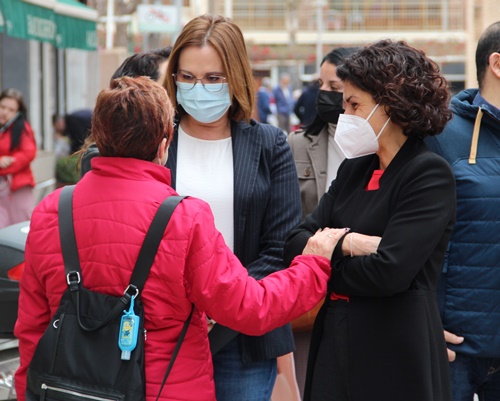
x: 113, y: 206
x: 17, y: 151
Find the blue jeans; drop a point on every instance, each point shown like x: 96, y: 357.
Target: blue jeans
x: 236, y: 381
x: 472, y: 375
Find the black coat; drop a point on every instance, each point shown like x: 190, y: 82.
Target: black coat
x: 396, y: 343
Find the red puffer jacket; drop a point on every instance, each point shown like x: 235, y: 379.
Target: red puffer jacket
x: 113, y: 207
x: 19, y: 172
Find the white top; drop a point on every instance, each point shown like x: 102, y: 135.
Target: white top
x: 335, y: 156
x: 205, y: 170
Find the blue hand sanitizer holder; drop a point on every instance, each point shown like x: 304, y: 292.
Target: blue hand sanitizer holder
x: 129, y: 330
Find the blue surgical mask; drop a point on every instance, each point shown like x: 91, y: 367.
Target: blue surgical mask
x: 204, y: 106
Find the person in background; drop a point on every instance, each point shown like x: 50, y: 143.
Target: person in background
x: 113, y: 206
x: 17, y: 151
x: 152, y: 64
x: 264, y: 96
x: 66, y: 169
x: 62, y: 146
x: 283, y: 97
x: 379, y: 336
x: 317, y: 158
x: 305, y: 106
x: 78, y: 127
x: 245, y: 171
x: 469, y: 291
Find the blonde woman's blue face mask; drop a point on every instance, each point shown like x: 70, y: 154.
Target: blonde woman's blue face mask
x: 203, y: 105
x: 201, y: 79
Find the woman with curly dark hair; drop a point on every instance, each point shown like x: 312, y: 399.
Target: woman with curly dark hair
x: 378, y: 336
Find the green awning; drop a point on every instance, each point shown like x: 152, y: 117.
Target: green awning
x: 63, y: 23
x: 30, y: 19
x: 76, y: 25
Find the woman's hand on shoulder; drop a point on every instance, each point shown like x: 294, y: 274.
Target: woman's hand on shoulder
x: 323, y: 242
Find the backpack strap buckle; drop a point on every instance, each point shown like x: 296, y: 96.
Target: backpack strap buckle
x: 132, y: 291
x: 73, y: 280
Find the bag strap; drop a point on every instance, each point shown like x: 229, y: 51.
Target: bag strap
x: 176, y: 350
x: 72, y: 262
x: 67, y: 232
x: 153, y: 238
x: 141, y: 270
x: 143, y: 263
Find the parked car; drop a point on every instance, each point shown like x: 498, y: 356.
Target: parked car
x: 12, y: 242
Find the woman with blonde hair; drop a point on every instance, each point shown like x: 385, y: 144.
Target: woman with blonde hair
x: 246, y: 173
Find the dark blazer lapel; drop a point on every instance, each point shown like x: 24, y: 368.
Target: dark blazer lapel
x: 172, y: 157
x: 412, y: 147
x: 246, y: 154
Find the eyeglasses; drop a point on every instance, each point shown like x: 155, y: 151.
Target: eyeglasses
x: 211, y: 83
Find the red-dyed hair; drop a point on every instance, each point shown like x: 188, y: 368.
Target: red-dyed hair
x: 131, y: 118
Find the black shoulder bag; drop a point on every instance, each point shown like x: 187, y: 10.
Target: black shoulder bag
x: 78, y: 357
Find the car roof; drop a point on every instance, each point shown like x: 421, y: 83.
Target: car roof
x: 14, y: 236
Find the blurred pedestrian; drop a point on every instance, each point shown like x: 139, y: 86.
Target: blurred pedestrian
x: 78, y: 126
x: 283, y: 97
x: 66, y: 169
x: 317, y: 158
x: 17, y: 151
x: 305, y: 106
x: 264, y: 97
x: 379, y: 336
x: 113, y: 206
x: 245, y: 171
x: 62, y: 146
x: 470, y: 281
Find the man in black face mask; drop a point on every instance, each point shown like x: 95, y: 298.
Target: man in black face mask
x: 317, y: 158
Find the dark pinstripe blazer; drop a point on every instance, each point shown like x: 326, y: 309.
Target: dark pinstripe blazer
x: 266, y: 207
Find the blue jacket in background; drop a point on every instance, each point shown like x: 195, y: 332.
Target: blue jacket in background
x: 264, y: 104
x: 469, y: 292
x: 284, y: 105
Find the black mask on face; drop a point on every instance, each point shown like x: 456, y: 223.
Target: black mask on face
x: 329, y: 106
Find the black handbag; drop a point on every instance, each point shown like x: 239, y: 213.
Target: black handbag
x: 78, y: 357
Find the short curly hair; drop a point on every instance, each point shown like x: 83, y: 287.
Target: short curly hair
x: 405, y: 81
